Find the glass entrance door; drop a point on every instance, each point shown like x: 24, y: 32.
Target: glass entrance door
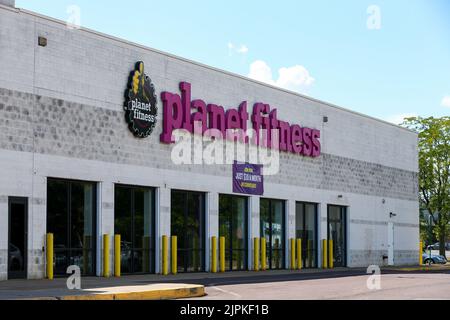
x: 306, y: 229
x: 233, y: 226
x: 71, y: 217
x: 272, y: 228
x: 134, y: 214
x: 18, y: 237
x: 337, y: 229
x: 188, y: 224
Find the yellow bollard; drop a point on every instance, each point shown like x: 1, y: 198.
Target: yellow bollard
x: 106, y: 255
x: 117, y: 255
x: 299, y: 254
x: 222, y: 253
x: 256, y: 254
x: 174, y: 251
x: 292, y: 254
x: 324, y: 254
x: 213, y: 254
x: 49, y: 243
x: 420, y: 253
x: 263, y: 254
x: 330, y: 254
x: 165, y: 255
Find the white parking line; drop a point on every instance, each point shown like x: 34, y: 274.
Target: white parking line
x: 237, y: 296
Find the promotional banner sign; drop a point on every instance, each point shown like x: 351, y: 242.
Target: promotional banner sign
x: 248, y: 179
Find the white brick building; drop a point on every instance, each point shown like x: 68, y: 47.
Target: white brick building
x: 62, y: 124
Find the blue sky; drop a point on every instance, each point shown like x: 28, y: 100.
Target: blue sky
x: 382, y: 58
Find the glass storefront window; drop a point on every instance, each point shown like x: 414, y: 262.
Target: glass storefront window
x: 306, y: 229
x: 71, y: 217
x: 272, y: 229
x: 134, y: 212
x: 233, y: 226
x: 188, y: 224
x: 337, y: 232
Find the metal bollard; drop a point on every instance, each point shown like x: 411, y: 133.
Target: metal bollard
x: 117, y: 255
x: 263, y: 254
x: 213, y: 254
x: 420, y: 253
x: 222, y: 253
x: 165, y: 255
x: 324, y: 254
x: 330, y: 254
x: 106, y: 255
x: 256, y: 254
x: 174, y: 251
x: 299, y: 254
x: 49, y: 243
x: 292, y: 254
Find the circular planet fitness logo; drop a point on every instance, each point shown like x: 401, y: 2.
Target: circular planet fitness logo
x: 140, y: 106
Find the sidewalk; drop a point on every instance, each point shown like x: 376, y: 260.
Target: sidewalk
x: 136, y: 285
x: 183, y: 285
x: 148, y: 287
x: 143, y: 292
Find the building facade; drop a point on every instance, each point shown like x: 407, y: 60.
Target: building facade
x: 77, y: 162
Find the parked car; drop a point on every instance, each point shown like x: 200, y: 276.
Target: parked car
x: 436, y: 246
x: 434, y: 258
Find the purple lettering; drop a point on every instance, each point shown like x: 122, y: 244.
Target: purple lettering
x: 257, y: 120
x: 173, y: 115
x: 216, y: 118
x: 285, y: 136
x: 316, y: 148
x: 296, y: 138
x: 185, y: 88
x: 307, y: 143
x: 201, y: 114
x: 291, y: 138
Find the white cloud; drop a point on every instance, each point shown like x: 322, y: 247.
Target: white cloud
x: 446, y: 102
x: 242, y: 49
x: 398, y: 118
x: 295, y: 78
x: 232, y: 48
x: 260, y: 71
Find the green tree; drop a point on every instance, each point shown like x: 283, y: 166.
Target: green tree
x: 434, y: 169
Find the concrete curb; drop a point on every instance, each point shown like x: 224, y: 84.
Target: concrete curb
x: 158, y: 294
x: 419, y: 268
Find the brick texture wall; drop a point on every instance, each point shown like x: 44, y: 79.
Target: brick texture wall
x: 45, y: 125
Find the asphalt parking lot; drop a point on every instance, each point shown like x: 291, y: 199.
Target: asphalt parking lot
x: 407, y: 286
x: 340, y: 283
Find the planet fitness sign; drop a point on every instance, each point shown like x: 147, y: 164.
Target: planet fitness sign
x: 181, y: 112
x: 196, y: 116
x: 140, y: 105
